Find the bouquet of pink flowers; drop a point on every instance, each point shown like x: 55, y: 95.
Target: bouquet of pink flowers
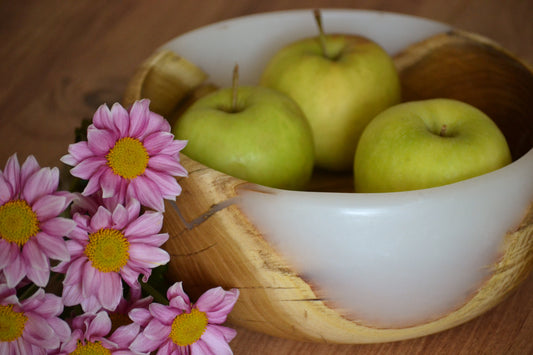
x: 100, y: 246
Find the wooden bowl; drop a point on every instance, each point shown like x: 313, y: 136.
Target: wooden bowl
x: 330, y: 265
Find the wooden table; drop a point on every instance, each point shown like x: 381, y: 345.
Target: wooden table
x: 62, y: 59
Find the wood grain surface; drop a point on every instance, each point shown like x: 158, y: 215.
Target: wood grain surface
x: 60, y: 60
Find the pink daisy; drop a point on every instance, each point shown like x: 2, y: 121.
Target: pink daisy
x: 108, y: 247
x: 31, y: 326
x: 129, y: 154
x: 31, y: 233
x: 92, y: 334
x: 184, y: 328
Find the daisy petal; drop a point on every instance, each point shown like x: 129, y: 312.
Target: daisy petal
x: 167, y: 184
x: 147, y: 224
x: 138, y: 118
x: 103, y: 118
x: 77, y: 152
x: 12, y: 172
x: 147, y: 193
x: 87, y: 167
x: 53, y: 247
x: 121, y: 119
x: 100, y: 141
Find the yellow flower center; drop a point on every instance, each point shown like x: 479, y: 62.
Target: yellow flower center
x: 11, y: 323
x: 128, y: 158
x: 108, y: 250
x: 18, y: 222
x: 95, y: 348
x: 187, y: 328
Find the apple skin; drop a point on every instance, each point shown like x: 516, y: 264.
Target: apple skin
x: 402, y: 148
x: 339, y: 96
x: 266, y: 141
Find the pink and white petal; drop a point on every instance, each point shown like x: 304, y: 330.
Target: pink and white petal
x: 156, y: 141
x: 8, y: 253
x: 110, y: 183
x: 174, y: 148
x: 58, y: 226
x: 93, y: 184
x: 140, y: 316
x: 121, y: 119
x: 143, y: 344
x: 148, y: 256
x: 110, y: 290
x: 120, y: 217
x: 155, y: 330
x: 12, y: 172
x: 6, y: 190
x: 43, y: 182
x: 176, y: 291
x: 129, y: 275
x: 48, y: 206
x: 47, y: 305
x: 39, y: 277
x: 33, y: 302
x: 155, y: 240
x: 217, y: 303
x: 164, y: 314
x: 72, y: 295
x: 100, y: 141
x: 103, y: 118
x: 147, y: 224
x: 216, y: 340
x: 134, y: 208
x: 169, y: 165
x: 29, y: 167
x: 90, y: 304
x: 158, y: 122
x: 100, y: 326
x: 168, y: 185
x: 228, y: 333
x: 60, y: 327
x: 138, y: 118
x: 146, y: 192
x: 53, y: 247
x: 73, y: 274
x: 124, y: 335
x: 77, y: 152
x: 88, y: 167
x: 101, y: 219
x: 90, y: 280
x: 200, y: 347
x: 39, y: 333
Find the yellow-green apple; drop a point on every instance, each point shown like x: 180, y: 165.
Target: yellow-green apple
x: 341, y: 81
x: 250, y: 132
x: 427, y: 143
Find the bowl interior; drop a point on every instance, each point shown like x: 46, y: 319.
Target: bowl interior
x: 393, y: 259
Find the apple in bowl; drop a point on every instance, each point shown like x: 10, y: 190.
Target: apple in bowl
x: 361, y: 267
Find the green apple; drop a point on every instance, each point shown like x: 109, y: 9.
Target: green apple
x: 341, y: 82
x: 427, y: 143
x: 253, y: 133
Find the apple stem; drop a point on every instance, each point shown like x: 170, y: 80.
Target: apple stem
x: 235, y: 87
x: 322, y: 35
x: 443, y: 130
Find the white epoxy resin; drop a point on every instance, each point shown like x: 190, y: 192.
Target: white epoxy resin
x: 396, y: 259
x: 392, y: 259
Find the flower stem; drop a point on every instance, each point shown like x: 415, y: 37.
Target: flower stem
x: 152, y: 291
